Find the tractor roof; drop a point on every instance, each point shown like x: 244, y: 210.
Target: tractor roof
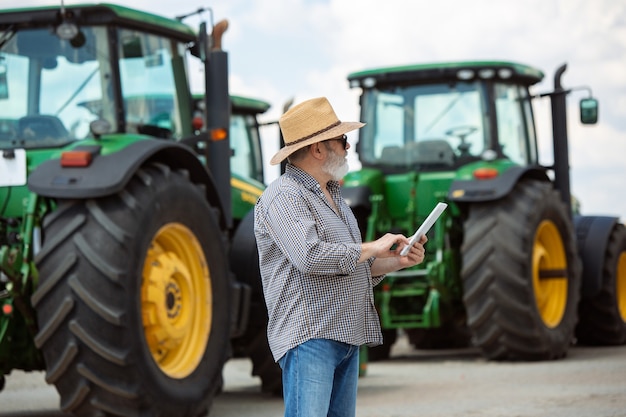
x: 96, y: 14
x: 446, y: 71
x: 243, y: 104
x: 251, y: 104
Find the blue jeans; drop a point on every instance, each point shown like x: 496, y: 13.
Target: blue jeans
x: 320, y: 379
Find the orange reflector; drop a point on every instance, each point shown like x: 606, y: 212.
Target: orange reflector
x: 485, y: 173
x: 76, y: 158
x: 218, y: 134
x: 7, y: 309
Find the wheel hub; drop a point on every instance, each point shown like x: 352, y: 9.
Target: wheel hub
x: 172, y: 300
x: 549, y: 274
x: 176, y: 300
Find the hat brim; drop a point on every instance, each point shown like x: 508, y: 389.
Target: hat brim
x: 340, y: 129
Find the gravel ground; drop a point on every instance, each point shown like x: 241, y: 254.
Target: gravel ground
x: 590, y: 382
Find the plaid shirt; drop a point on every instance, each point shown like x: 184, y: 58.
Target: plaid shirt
x: 313, y: 286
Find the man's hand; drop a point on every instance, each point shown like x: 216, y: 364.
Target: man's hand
x: 382, y: 247
x: 391, y: 260
x: 415, y: 255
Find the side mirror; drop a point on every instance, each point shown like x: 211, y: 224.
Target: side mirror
x: 588, y: 111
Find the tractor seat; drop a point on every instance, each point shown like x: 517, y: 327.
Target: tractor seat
x: 41, y: 127
x: 431, y: 152
x: 393, y: 155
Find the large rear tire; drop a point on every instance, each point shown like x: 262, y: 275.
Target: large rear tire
x: 521, y: 275
x: 133, y: 302
x: 602, y: 318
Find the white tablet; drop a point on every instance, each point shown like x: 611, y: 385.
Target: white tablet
x: 425, y: 227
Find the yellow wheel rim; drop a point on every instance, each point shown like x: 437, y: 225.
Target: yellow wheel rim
x: 549, y: 274
x: 176, y: 300
x: 621, y: 285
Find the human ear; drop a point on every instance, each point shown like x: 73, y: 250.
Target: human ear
x: 316, y: 151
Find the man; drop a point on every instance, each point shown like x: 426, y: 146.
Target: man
x: 317, y: 274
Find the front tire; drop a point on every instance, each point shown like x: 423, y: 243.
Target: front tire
x: 521, y: 274
x: 133, y: 300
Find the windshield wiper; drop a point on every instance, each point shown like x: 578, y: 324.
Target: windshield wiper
x: 78, y: 90
x: 447, y: 109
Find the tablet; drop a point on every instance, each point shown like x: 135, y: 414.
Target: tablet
x: 425, y: 227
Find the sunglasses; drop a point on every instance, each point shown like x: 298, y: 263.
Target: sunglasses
x: 343, y: 139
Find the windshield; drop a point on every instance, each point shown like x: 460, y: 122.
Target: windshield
x: 516, y: 131
x: 44, y: 80
x: 433, y: 126
x: 245, y: 144
x: 147, y: 73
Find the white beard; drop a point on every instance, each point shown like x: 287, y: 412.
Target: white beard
x: 336, y: 166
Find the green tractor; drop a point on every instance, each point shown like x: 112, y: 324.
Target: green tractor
x: 127, y: 252
x: 511, y: 267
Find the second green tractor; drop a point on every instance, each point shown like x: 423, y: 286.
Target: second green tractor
x: 512, y: 266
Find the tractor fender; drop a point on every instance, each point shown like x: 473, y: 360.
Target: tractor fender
x: 357, y: 196
x: 592, y: 235
x: 109, y: 174
x: 473, y: 191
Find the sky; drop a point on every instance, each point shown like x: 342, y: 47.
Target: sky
x: 300, y: 49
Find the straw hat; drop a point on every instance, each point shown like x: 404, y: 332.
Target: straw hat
x: 311, y: 121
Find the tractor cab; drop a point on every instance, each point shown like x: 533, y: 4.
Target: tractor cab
x: 436, y: 117
x: 61, y: 83
x: 82, y: 76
